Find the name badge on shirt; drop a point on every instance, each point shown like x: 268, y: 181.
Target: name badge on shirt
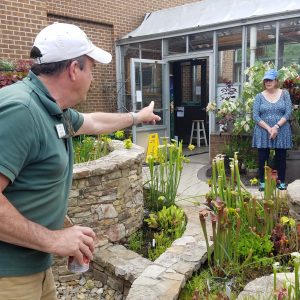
x: 60, y: 129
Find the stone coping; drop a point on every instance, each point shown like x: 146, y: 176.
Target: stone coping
x: 117, y: 159
x: 165, y: 277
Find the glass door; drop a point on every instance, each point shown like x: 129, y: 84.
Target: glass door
x: 191, y: 95
x: 150, y: 82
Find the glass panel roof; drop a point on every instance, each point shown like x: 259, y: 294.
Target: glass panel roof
x: 210, y: 13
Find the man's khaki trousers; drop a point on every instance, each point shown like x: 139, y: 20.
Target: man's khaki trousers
x: 39, y: 286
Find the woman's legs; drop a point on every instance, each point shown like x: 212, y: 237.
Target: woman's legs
x: 263, y: 156
x: 280, y: 163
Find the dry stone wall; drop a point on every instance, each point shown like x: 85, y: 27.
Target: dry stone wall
x: 107, y: 195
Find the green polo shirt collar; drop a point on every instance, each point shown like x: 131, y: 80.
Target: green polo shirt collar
x: 39, y: 88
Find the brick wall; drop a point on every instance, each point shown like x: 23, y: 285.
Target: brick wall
x: 20, y: 21
x: 217, y: 143
x: 104, y: 22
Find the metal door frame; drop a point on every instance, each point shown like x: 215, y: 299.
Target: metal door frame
x: 165, y: 95
x: 211, y: 76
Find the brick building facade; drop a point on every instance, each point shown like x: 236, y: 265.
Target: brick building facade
x: 104, y: 22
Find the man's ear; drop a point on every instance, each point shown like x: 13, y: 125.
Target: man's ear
x: 73, y: 69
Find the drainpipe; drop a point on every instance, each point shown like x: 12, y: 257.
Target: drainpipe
x: 253, y: 43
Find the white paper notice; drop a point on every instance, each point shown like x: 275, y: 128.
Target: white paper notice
x: 138, y: 96
x: 198, y: 90
x: 180, y: 112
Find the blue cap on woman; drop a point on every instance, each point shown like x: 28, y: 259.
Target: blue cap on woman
x: 271, y: 74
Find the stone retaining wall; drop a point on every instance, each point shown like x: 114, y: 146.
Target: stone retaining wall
x: 293, y: 194
x: 107, y: 195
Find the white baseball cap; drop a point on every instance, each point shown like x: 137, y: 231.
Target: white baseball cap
x: 61, y: 41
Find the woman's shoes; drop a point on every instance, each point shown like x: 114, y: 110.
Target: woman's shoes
x: 261, y: 187
x: 281, y: 186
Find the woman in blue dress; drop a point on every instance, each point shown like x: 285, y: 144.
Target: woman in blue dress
x: 272, y: 109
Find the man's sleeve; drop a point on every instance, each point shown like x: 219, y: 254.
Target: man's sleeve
x: 76, y: 119
x: 18, y: 140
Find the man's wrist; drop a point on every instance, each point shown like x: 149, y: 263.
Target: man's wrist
x: 277, y: 126
x: 134, y: 118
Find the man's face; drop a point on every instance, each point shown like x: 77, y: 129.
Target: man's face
x: 84, y: 79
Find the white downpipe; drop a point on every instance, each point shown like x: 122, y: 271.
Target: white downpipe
x: 253, y: 44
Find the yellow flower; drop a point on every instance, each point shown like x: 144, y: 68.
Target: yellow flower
x: 292, y: 222
x: 119, y: 134
x: 186, y: 160
x: 253, y: 181
x: 161, y: 198
x: 191, y: 147
x: 284, y: 220
x: 127, y: 143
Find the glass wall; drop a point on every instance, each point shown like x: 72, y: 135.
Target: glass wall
x: 289, y: 42
x: 148, y: 85
x: 129, y: 51
x: 201, y: 41
x: 260, y: 44
x: 229, y: 63
x: 176, y: 45
x: 229, y: 55
x: 151, y: 49
x: 266, y: 42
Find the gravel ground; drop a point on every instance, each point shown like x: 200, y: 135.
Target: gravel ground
x: 86, y: 288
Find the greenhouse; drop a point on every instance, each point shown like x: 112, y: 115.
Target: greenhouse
x: 182, y: 58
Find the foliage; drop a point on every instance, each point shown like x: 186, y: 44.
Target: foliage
x: 165, y: 173
x: 293, y: 86
x: 11, y: 72
x: 171, y: 220
x: 251, y: 163
x: 162, y: 229
x: 246, y: 231
x: 6, y: 65
x: 87, y: 148
x: 239, y: 110
x: 242, y: 145
x: 211, y: 107
x: 204, y: 284
x: 171, y: 223
x: 127, y: 144
x: 258, y: 246
x: 228, y: 109
x: 119, y: 135
x: 162, y: 242
x: 284, y: 236
x: 254, y: 86
x: 135, y: 241
x: 289, y: 291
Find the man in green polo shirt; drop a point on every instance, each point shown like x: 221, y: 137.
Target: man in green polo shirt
x: 36, y: 126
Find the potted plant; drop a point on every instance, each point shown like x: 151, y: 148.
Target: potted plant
x: 292, y: 84
x: 227, y: 112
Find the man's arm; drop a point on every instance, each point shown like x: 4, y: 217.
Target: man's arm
x: 99, y: 122
x: 16, y: 229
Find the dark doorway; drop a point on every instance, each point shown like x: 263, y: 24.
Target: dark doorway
x: 190, y: 90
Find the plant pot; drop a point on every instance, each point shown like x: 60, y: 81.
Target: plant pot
x: 292, y: 165
x: 252, y: 172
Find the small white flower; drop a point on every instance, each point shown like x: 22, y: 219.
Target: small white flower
x: 246, y: 127
x: 295, y: 254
